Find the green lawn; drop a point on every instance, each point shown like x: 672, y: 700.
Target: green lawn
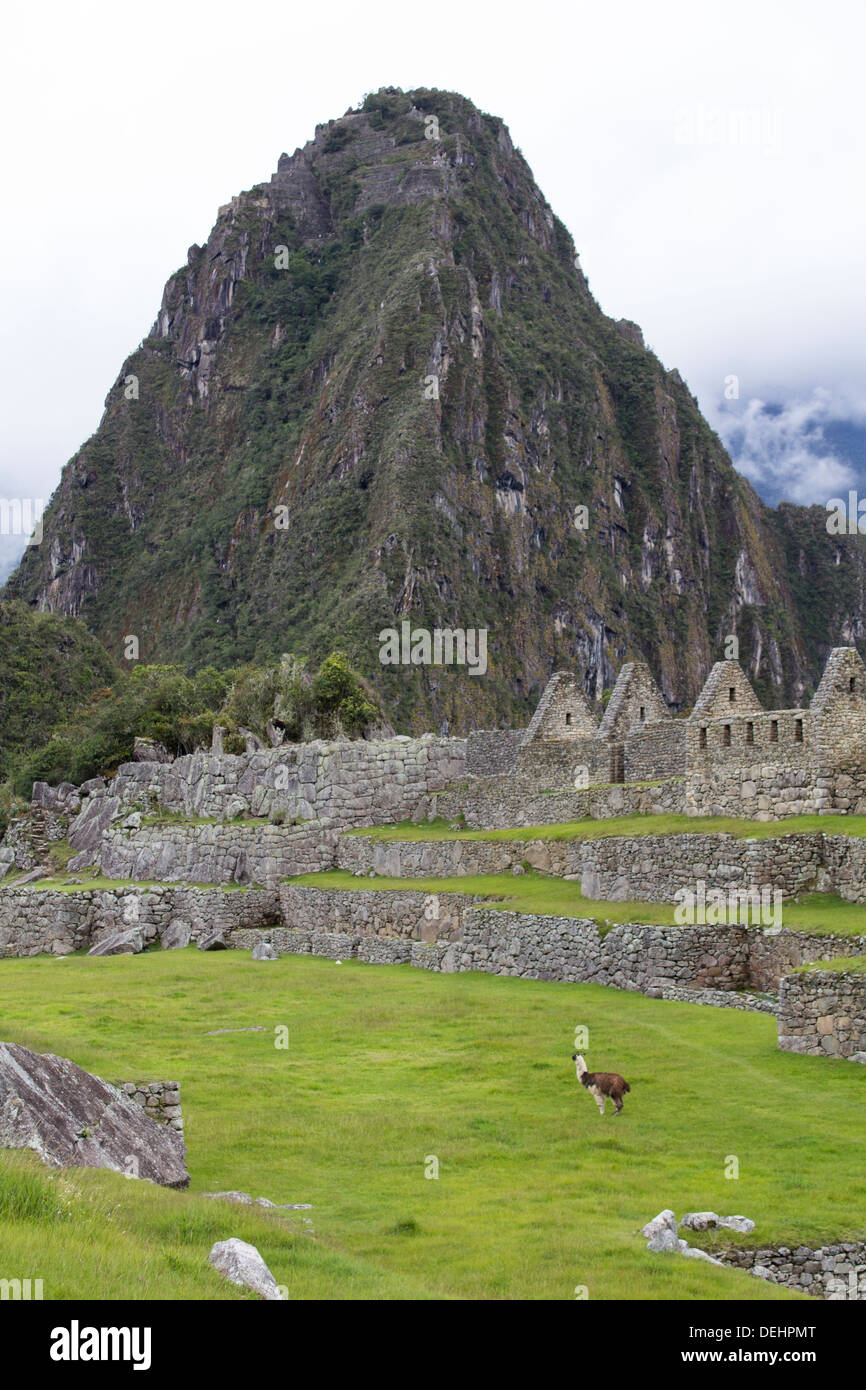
x: 388, y: 1067
x: 624, y: 825
x: 823, y: 914
x: 851, y: 965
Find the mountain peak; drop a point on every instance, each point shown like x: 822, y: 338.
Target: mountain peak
x: 381, y: 391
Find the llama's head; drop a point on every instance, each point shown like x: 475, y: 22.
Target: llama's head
x: 579, y: 1063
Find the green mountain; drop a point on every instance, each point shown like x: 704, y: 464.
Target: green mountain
x: 381, y: 391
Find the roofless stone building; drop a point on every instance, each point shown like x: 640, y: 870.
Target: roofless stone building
x: 734, y: 757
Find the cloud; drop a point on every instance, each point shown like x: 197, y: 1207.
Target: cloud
x: 783, y: 449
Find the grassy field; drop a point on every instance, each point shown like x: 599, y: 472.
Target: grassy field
x: 438, y: 829
x: 388, y: 1067
x: 823, y: 914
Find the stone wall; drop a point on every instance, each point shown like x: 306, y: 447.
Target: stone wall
x: 651, y: 868
x: 368, y: 912
x: 652, y: 959
x: 656, y: 750
x: 161, y: 1100
x: 350, y: 783
x: 503, y: 802
x: 562, y: 765
x: 834, y: 1272
x: 229, y: 851
x: 363, y: 854
x: 491, y: 752
x: 755, y: 766
x: 844, y: 867
x: 33, y: 920
x: 823, y: 1013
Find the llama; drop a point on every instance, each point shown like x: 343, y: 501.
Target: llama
x: 601, y: 1084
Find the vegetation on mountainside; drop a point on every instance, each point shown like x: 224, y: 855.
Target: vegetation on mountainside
x: 535, y: 1193
x: 179, y: 710
x: 48, y: 665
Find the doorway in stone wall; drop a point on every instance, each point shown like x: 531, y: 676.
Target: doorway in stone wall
x: 617, y: 762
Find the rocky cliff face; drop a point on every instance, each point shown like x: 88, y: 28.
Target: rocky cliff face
x: 382, y: 391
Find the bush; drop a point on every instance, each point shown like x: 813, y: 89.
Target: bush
x: 179, y: 710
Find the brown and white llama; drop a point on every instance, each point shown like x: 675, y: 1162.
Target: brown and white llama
x: 602, y: 1085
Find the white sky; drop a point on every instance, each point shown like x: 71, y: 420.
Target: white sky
x: 708, y: 160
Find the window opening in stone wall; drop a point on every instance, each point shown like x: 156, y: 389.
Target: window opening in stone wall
x: 852, y: 684
x: 732, y: 694
x: 702, y: 738
x: 774, y: 731
x: 726, y: 736
x: 568, y: 719
x: 643, y: 713
x: 798, y: 731
x: 750, y: 733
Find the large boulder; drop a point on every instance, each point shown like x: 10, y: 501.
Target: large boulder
x: 120, y: 943
x: 242, y: 1264
x: 176, y: 935
x: 700, y: 1220
x: 72, y: 1119
x: 743, y: 1224
x: 665, y: 1221
x: 263, y: 950
x: 88, y: 828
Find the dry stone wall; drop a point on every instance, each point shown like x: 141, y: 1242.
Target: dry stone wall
x: 834, y: 1272
x: 225, y: 852
x: 491, y: 752
x: 656, y: 750
x: 35, y: 921
x: 653, y: 959
x: 349, y: 783
x: 650, y: 868
x: 367, y: 912
x: 161, y: 1100
x: 823, y: 1013
x: 499, y: 803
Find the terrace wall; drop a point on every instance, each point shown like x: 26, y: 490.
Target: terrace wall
x: 347, y: 783
x: 471, y: 936
x: 648, y: 868
x: 34, y: 921
x: 420, y: 916
x: 218, y: 853
x: 823, y: 1013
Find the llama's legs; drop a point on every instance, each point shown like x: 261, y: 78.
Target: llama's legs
x: 617, y: 1100
x: 599, y: 1100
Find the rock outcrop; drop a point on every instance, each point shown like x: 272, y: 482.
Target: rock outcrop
x: 72, y: 1119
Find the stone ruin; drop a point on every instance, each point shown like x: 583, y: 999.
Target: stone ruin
x: 733, y: 757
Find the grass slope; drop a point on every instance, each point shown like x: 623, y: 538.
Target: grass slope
x: 439, y: 829
x: 822, y: 914
x: 387, y: 1066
